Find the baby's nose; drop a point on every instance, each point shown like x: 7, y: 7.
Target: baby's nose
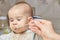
x: 14, y: 23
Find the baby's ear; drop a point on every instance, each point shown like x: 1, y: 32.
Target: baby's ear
x: 30, y: 18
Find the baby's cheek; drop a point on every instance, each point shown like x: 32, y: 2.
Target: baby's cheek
x: 11, y: 28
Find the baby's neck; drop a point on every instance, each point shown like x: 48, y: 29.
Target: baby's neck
x: 20, y: 36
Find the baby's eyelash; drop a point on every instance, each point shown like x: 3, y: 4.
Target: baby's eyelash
x: 18, y: 19
x: 11, y: 20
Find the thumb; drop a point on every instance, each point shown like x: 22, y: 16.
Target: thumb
x: 39, y: 24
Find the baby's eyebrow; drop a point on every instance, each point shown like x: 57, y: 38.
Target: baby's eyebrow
x: 19, y: 17
x: 10, y: 18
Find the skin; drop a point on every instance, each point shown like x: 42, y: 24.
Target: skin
x: 44, y: 28
x: 18, y: 18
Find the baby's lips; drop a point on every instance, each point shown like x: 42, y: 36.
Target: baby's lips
x: 15, y: 27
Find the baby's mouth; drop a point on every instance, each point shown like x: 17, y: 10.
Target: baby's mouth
x: 16, y: 28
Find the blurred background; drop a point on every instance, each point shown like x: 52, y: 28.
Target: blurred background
x: 47, y: 9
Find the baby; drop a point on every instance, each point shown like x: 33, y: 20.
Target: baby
x: 19, y: 17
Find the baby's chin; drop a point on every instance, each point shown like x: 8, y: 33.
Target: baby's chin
x: 20, y: 31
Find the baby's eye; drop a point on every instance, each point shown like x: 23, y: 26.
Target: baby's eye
x: 11, y: 20
x: 18, y: 19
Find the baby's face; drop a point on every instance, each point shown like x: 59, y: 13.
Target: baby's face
x: 18, y: 24
x: 17, y: 20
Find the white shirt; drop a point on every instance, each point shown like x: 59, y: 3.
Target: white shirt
x: 28, y: 35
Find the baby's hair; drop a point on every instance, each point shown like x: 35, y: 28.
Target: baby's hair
x: 8, y: 20
x: 22, y: 2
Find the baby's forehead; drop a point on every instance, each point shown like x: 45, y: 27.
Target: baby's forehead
x: 20, y: 8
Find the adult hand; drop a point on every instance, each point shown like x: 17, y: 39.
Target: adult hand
x: 43, y: 28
